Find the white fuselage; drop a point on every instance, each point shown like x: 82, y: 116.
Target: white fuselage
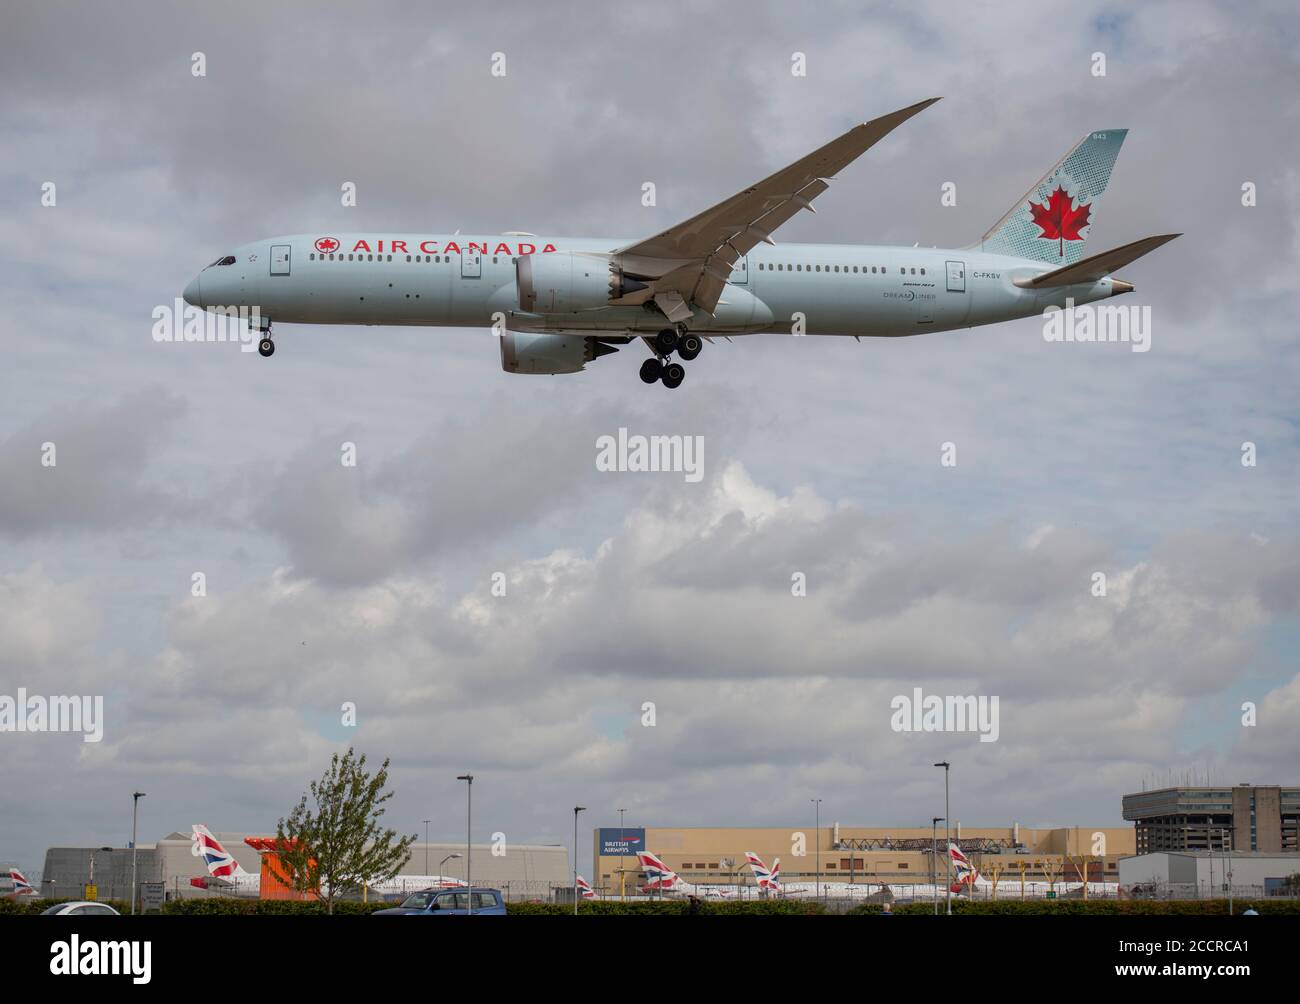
x: 245, y: 883
x: 470, y: 281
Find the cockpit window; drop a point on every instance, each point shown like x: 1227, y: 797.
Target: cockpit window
x: 227, y: 260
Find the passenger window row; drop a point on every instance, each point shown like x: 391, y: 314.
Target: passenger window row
x: 340, y: 256
x: 875, y: 270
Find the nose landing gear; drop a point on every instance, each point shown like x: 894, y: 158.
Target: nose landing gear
x: 264, y: 345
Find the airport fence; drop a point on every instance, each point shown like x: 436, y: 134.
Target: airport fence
x: 1091, y: 907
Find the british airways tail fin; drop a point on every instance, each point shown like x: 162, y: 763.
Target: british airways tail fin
x: 659, y: 876
x: 964, y: 873
x: 220, y: 862
x: 1052, y: 221
x: 768, y: 879
x: 21, y: 886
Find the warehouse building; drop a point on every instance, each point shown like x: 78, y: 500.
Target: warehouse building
x: 892, y: 856
x: 1244, y: 817
x: 1203, y: 874
x: 520, y: 871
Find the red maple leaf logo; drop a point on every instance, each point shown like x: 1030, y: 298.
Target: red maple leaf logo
x: 326, y: 244
x: 1058, y: 220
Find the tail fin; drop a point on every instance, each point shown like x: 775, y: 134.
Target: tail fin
x: 768, y: 879
x: 1052, y: 222
x: 963, y: 871
x: 221, y: 863
x: 585, y: 889
x: 659, y: 874
x: 21, y: 886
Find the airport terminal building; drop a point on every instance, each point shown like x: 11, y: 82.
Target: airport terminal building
x: 522, y: 872
x: 846, y: 854
x: 1243, y: 817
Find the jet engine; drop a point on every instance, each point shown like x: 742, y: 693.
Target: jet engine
x: 527, y: 352
x: 562, y: 282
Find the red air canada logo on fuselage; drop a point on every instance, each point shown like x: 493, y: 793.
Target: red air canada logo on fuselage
x: 328, y: 245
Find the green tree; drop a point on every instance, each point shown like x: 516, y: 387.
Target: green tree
x: 338, y: 846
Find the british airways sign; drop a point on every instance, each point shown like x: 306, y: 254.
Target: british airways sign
x: 617, y: 842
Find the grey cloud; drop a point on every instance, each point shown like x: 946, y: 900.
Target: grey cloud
x: 465, y: 483
x: 100, y: 476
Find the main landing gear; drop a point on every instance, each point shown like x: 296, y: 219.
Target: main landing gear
x: 659, y: 369
x: 672, y: 374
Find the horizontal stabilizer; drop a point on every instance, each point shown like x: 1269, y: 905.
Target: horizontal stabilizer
x: 1099, y: 265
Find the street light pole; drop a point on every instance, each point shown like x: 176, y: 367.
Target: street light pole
x: 622, y: 846
x: 1227, y: 866
x: 934, y: 859
x: 469, y: 847
x: 426, y: 846
x: 576, y: 810
x: 817, y: 804
x: 947, y: 832
x: 454, y: 854
x: 135, y: 818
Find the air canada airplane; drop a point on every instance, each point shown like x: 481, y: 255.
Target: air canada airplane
x: 558, y: 303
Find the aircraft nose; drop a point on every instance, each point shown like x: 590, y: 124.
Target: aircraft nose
x: 193, y: 294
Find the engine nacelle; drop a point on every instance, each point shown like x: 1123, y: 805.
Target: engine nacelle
x: 563, y: 282
x: 525, y: 352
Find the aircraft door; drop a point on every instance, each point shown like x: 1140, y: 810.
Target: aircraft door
x: 280, y: 259
x: 740, y: 271
x: 956, y: 277
x: 471, y: 263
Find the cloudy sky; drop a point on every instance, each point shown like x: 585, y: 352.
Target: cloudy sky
x: 822, y: 456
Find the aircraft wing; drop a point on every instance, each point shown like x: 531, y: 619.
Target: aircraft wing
x: 692, y: 261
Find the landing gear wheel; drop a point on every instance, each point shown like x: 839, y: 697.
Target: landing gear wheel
x: 674, y: 374
x: 689, y: 346
x: 266, y: 347
x: 666, y: 341
x: 651, y: 370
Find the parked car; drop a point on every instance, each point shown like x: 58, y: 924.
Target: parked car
x: 450, y: 901
x: 80, y: 908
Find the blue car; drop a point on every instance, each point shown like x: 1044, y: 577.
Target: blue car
x: 450, y: 901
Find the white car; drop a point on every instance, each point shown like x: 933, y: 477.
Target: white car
x: 80, y: 908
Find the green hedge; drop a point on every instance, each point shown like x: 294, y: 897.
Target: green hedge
x: 1093, y: 907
